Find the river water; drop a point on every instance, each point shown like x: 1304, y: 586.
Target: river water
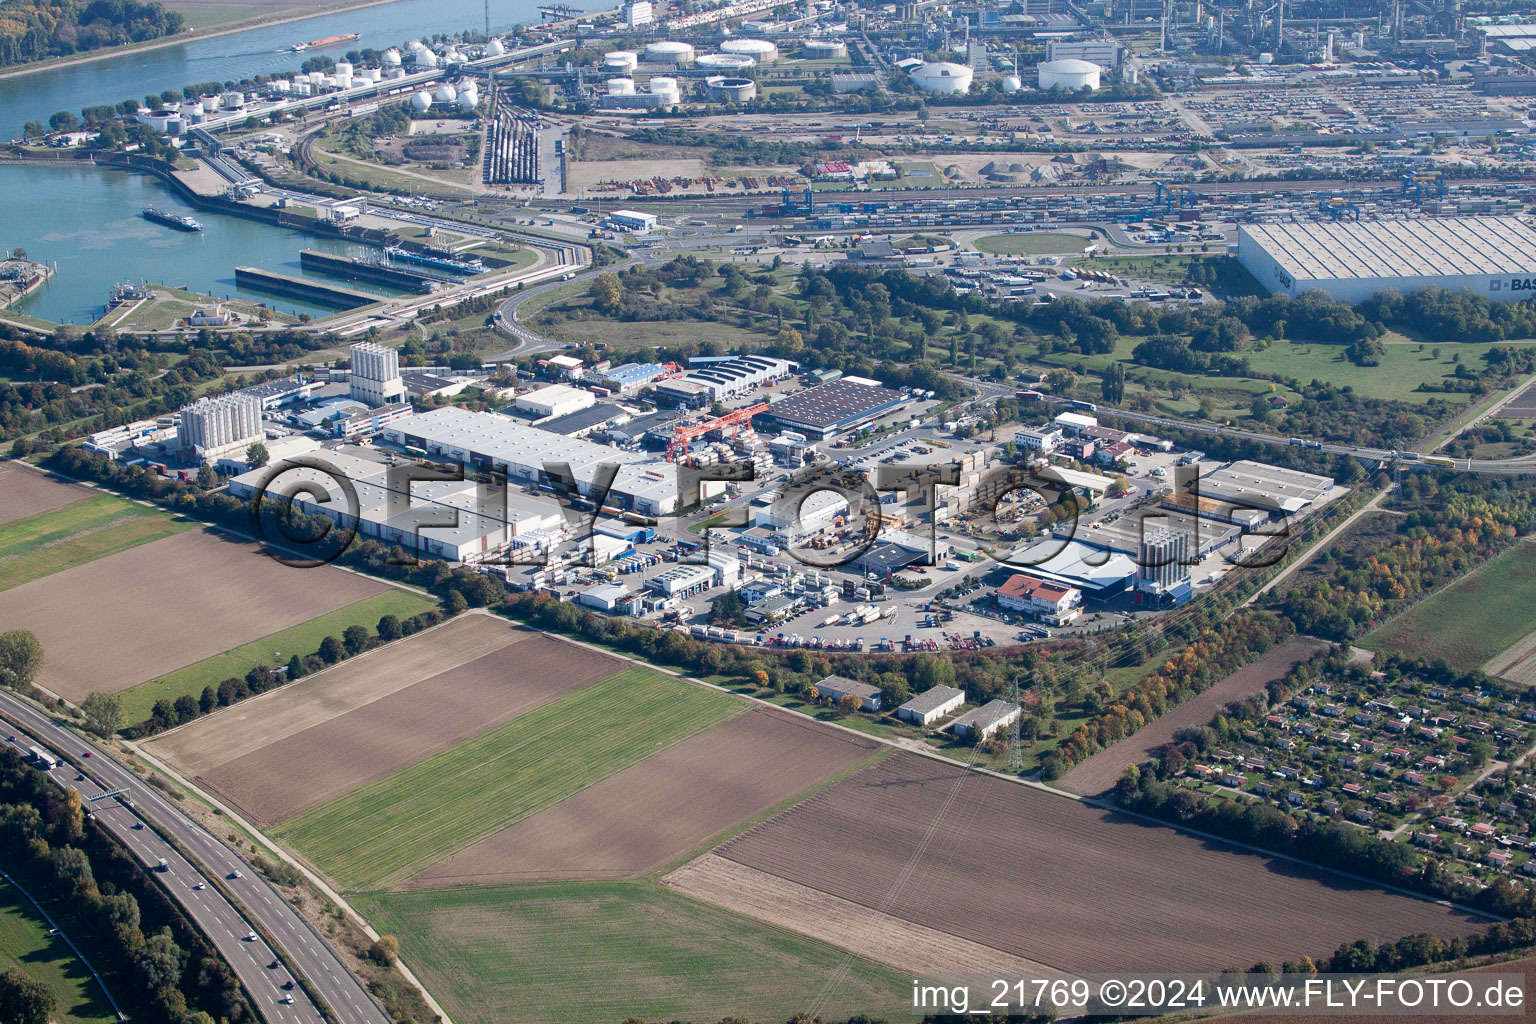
x: 245, y: 54
x: 86, y: 219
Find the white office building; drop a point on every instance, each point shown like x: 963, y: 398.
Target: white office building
x: 638, y: 12
x: 376, y: 374
x: 213, y: 427
x: 1103, y: 52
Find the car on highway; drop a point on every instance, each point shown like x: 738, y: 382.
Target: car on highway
x: 200, y: 886
x: 287, y: 998
x: 250, y: 936
x: 235, y: 874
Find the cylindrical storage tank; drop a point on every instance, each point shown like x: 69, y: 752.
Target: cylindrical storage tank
x: 824, y: 49
x: 495, y: 48
x: 1129, y: 74
x: 760, y: 50
x: 282, y: 85
x: 444, y: 94
x: 303, y: 89
x: 1070, y: 74
x: 622, y: 61
x: 1011, y: 84
x: 343, y: 68
x: 666, y: 90
x: 316, y: 77
x: 621, y: 87
x: 396, y: 73
x: 943, y: 77
x: 344, y: 81
x: 390, y: 58
x: 421, y: 102
x: 721, y: 89
x: 374, y: 74
x: 210, y: 103
x: 669, y: 52
x: 725, y: 61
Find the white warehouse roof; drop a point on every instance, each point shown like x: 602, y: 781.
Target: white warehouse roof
x: 1492, y: 256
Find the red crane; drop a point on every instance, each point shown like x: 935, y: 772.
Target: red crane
x: 687, y: 433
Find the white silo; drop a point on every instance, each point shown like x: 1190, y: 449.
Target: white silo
x: 390, y: 58
x: 668, y: 51
x: 421, y: 102
x: 665, y: 90
x: 1070, y: 74
x: 943, y: 77
x: 1011, y: 84
x: 622, y: 61
x: 760, y: 50
x: 495, y: 48
x: 621, y: 87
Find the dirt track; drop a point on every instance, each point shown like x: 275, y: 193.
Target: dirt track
x: 152, y: 609
x: 306, y: 769
x: 1101, y: 771
x: 661, y: 808
x: 217, y: 739
x: 1061, y: 883
x: 25, y: 492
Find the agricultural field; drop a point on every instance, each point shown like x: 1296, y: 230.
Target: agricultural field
x: 1474, y: 619
x: 309, y: 767
x: 302, y: 639
x: 1101, y: 771
x: 1031, y: 243
x: 381, y: 834
x: 639, y: 819
x: 26, y: 492
x: 598, y: 952
x: 27, y: 942
x: 917, y: 840
x: 93, y: 527
x: 158, y: 607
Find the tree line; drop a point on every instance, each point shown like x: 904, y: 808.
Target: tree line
x: 36, y: 29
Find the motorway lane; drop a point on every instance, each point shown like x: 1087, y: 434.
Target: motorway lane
x: 225, y: 925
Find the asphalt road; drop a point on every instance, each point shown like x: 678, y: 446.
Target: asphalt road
x: 265, y: 911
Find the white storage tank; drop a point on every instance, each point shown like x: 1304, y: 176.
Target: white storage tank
x: 1011, y: 84
x: 343, y: 68
x: 421, y: 102
x: 344, y: 81
x: 444, y: 94
x: 621, y: 87
x: 1070, y: 74
x: 424, y: 58
x: 721, y: 89
x: 316, y: 77
x: 390, y: 58
x: 943, y: 77
x: 495, y: 48
x: 760, y: 50
x: 668, y: 51
x: 396, y: 73
x: 469, y: 100
x: 623, y: 61
x: 303, y: 89
x: 1266, y: 58
x: 210, y: 103
x: 282, y: 85
x: 192, y: 111
x: 824, y: 49
x: 1129, y: 74
x: 453, y: 56
x: 665, y: 90
x: 725, y: 61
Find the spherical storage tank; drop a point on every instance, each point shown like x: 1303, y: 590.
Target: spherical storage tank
x: 760, y: 50
x: 1070, y: 74
x: 469, y: 100
x: 495, y: 48
x: 424, y: 58
x: 1011, y: 84
x: 725, y: 61
x: 668, y: 52
x: 620, y: 60
x: 730, y: 90
x: 444, y: 94
x: 824, y: 49
x: 421, y: 102
x: 390, y: 58
x: 621, y: 87
x: 943, y: 77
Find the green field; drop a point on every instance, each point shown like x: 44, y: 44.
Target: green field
x: 601, y: 952
x: 1402, y: 370
x: 89, y: 529
x: 1031, y: 243
x: 1471, y: 620
x: 385, y: 832
x: 25, y: 943
x: 302, y: 639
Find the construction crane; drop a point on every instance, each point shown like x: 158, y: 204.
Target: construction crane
x: 1417, y: 183
x: 1338, y: 206
x: 687, y: 433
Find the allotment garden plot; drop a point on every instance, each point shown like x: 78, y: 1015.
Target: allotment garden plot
x: 1060, y: 883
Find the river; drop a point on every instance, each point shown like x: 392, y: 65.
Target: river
x: 246, y: 54
x: 87, y: 220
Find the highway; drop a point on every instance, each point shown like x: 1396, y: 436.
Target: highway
x: 265, y: 912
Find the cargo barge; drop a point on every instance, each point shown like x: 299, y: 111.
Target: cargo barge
x: 327, y: 41
x: 432, y: 259
x: 177, y: 221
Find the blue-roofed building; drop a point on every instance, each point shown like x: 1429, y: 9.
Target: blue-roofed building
x: 631, y: 377
x: 1098, y: 573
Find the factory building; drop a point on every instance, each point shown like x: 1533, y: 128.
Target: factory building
x: 631, y: 378
x: 931, y: 705
x: 980, y: 724
x: 486, y: 442
x: 1050, y: 602
x: 1494, y: 257
x: 212, y: 427
x: 828, y: 409
x: 1126, y: 534
x: 376, y: 374
x: 555, y: 400
x: 716, y: 378
x: 631, y: 220
x: 1103, y: 52
x: 1257, y: 485
x: 1098, y: 574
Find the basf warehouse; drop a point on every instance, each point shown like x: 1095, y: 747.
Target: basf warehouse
x: 1352, y: 260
